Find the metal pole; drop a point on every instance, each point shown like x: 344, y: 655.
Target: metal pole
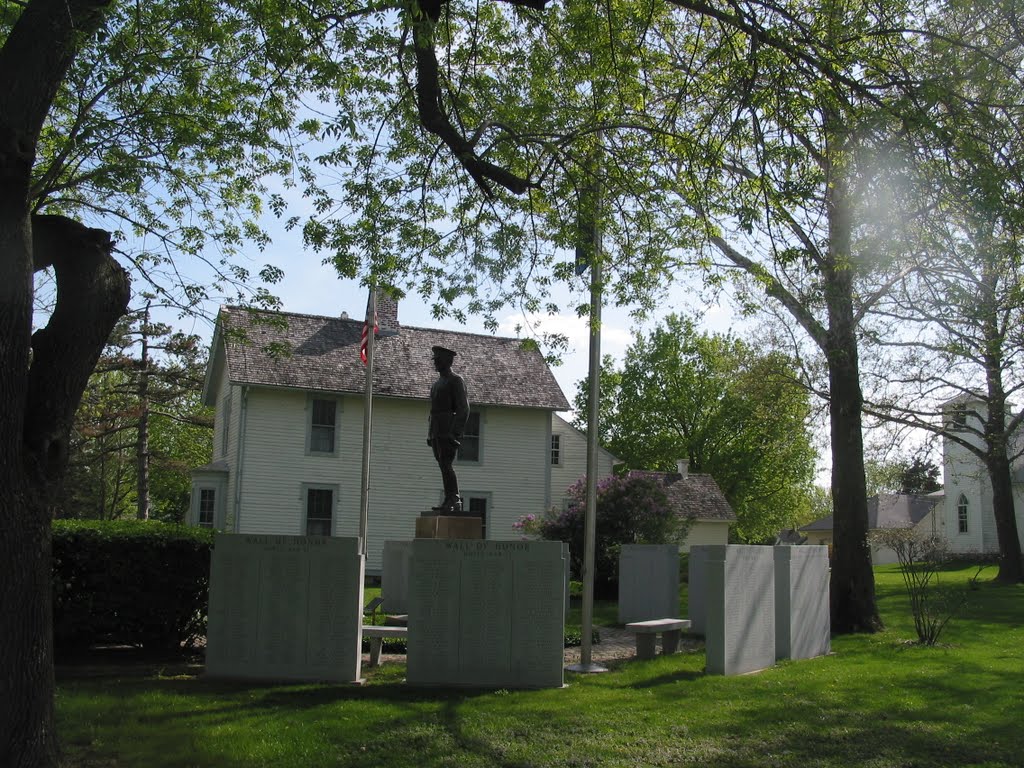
x: 364, y: 500
x: 590, y: 516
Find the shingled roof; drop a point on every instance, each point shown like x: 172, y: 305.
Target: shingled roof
x: 310, y: 352
x: 695, y: 496
x: 887, y: 510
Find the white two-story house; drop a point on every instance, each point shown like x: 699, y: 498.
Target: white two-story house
x: 289, y: 391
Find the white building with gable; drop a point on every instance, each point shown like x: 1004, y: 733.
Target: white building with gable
x: 287, y: 459
x: 968, y: 522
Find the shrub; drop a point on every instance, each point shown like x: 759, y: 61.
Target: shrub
x: 629, y: 511
x: 920, y: 557
x: 136, y: 582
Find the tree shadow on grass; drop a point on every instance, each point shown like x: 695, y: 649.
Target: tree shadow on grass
x: 669, y: 678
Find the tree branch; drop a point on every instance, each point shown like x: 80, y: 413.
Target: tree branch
x: 432, y: 114
x: 92, y: 294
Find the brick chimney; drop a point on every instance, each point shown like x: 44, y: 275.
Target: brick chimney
x: 683, y: 467
x: 387, y: 314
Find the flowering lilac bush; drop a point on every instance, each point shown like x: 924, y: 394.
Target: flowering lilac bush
x: 528, y: 526
x: 629, y: 511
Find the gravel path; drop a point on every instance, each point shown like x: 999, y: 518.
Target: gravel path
x: 616, y: 644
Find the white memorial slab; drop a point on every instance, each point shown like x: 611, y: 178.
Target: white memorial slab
x: 740, y: 609
x: 802, y: 621
x: 394, y: 576
x: 697, y: 587
x: 648, y: 582
x: 285, y: 608
x: 486, y: 613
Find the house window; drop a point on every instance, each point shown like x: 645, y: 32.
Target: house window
x: 319, y: 511
x: 556, y: 450
x: 470, y: 448
x: 961, y: 514
x: 478, y: 507
x: 207, y: 507
x: 322, y: 425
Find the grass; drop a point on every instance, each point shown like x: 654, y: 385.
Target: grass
x: 878, y: 701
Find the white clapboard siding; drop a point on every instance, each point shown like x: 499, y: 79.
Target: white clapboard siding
x: 572, y: 463
x: 706, y: 532
x: 404, y: 478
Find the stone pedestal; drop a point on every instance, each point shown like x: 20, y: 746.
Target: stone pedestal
x: 449, y: 527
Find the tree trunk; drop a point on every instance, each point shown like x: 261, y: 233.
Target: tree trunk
x: 42, y: 375
x: 27, y: 737
x: 997, y: 458
x: 1000, y: 476
x: 142, y: 444
x: 853, y: 579
x: 1010, y: 567
x: 37, y: 406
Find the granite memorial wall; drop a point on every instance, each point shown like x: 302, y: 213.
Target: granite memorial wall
x: 740, y: 608
x: 487, y: 613
x: 802, y: 621
x: 648, y: 582
x: 285, y: 608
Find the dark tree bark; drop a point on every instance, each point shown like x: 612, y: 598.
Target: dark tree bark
x: 93, y: 293
x: 1010, y: 570
x: 997, y: 462
x: 433, y: 114
x: 853, y: 579
x: 142, y: 441
x: 42, y: 376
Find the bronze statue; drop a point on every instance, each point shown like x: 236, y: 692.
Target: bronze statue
x: 449, y: 412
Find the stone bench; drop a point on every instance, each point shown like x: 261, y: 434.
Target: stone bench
x: 376, y: 635
x: 647, y: 632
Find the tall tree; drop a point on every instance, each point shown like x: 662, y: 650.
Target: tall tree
x: 43, y: 374
x: 955, y: 329
x: 141, y: 404
x: 732, y: 412
x: 163, y: 118
x: 784, y: 202
x: 187, y: 108
x: 757, y: 127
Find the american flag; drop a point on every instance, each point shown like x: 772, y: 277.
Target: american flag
x: 366, y: 332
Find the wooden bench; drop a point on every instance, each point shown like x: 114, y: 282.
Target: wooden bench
x: 647, y: 632
x: 376, y: 635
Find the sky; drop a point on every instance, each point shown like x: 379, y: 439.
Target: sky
x: 311, y: 287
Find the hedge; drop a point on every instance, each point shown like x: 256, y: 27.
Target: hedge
x: 129, y: 582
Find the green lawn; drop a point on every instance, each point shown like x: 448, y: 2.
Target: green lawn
x: 877, y: 701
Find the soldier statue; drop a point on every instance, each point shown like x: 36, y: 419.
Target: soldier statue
x: 449, y: 412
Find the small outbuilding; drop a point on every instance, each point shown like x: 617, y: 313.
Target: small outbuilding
x: 695, y: 497
x: 886, y: 510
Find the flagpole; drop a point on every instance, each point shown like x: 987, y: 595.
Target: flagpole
x: 586, y: 664
x: 364, y: 499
